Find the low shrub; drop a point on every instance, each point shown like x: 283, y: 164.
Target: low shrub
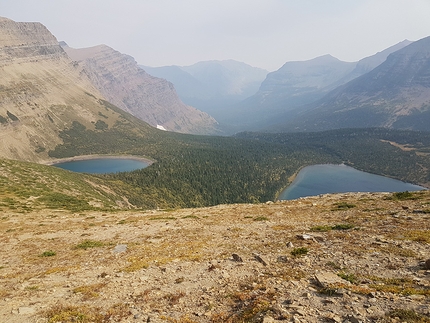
x: 89, y: 244
x: 48, y: 253
x: 296, y: 252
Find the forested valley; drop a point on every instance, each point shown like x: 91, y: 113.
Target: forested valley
x: 194, y: 171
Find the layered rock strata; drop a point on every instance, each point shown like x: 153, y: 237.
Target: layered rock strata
x: 154, y: 100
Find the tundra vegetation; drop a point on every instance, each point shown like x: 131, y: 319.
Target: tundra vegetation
x: 200, y: 264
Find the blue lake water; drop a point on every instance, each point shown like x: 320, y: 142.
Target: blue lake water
x: 323, y: 179
x: 103, y: 165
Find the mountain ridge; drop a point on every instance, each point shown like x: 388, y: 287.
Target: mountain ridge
x: 296, y: 84
x: 394, y: 94
x: 151, y: 99
x: 40, y: 89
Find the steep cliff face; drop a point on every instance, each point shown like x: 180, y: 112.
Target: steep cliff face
x: 41, y: 93
x: 21, y: 41
x: 125, y: 84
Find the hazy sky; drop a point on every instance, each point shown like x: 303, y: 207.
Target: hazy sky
x: 262, y: 33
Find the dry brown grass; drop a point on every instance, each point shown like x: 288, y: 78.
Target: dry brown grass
x: 422, y: 236
x: 195, y: 250
x: 89, y: 291
x: 398, y: 285
x: 146, y: 254
x: 62, y: 313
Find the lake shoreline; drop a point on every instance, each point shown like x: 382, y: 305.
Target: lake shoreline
x: 291, y: 180
x: 90, y: 157
x: 340, y: 178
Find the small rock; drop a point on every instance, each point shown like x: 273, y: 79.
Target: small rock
x: 381, y: 239
x: 260, y: 260
x: 327, y: 279
x: 300, y: 312
x: 24, y: 310
x: 427, y: 264
x: 120, y: 248
x: 282, y: 259
x: 268, y: 319
x: 304, y: 236
x: 237, y: 258
x: 334, y: 318
x: 290, y: 245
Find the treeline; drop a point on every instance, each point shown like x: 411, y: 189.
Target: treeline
x: 399, y: 154
x: 243, y: 172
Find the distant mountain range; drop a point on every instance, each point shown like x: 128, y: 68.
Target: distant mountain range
x: 395, y: 94
x: 212, y: 86
x: 296, y: 84
x: 46, y: 86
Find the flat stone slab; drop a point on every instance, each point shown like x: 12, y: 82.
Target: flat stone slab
x: 327, y: 279
x: 24, y: 310
x: 120, y: 248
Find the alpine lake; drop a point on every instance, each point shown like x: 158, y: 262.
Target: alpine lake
x: 103, y: 165
x: 323, y: 179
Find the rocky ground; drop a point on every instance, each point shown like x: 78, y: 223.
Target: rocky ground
x: 332, y: 258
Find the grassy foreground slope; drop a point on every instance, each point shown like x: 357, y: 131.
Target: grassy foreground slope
x: 357, y: 257
x: 25, y: 187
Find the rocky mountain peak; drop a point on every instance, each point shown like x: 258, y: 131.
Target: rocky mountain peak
x: 41, y: 92
x: 22, y: 40
x: 154, y: 100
